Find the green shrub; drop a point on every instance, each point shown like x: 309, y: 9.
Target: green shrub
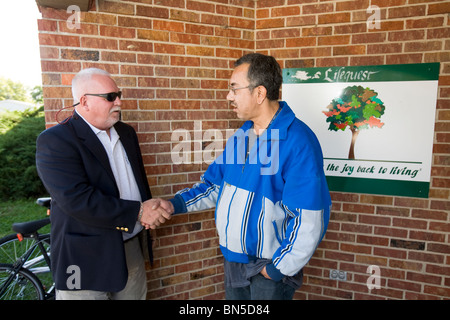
x: 20, y: 211
x: 18, y: 133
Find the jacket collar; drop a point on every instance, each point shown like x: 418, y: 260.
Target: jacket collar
x: 91, y: 141
x: 281, y: 122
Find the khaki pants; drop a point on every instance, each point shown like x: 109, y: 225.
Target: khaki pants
x: 135, y: 289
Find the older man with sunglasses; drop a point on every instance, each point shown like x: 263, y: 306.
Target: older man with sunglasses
x: 92, y: 167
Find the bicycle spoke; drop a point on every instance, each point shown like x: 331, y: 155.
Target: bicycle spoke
x: 21, y: 285
x: 28, y: 255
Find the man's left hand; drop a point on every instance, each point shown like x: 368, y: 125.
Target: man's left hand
x: 265, y: 274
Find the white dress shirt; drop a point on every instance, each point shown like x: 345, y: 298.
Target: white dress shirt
x: 121, y: 168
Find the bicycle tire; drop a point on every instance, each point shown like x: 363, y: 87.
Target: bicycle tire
x: 11, y: 249
x: 23, y: 286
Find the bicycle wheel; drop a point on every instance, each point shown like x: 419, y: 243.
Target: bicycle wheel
x: 21, y: 285
x: 11, y: 249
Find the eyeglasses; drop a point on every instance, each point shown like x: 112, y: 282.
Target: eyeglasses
x: 234, y: 89
x: 111, y: 96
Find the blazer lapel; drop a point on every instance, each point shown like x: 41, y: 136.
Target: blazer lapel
x: 91, y: 142
x: 131, y: 148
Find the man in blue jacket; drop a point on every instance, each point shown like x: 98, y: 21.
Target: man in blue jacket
x: 268, y: 186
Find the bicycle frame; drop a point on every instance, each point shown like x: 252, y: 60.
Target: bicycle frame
x: 34, y: 259
x: 20, y: 278
x: 25, y: 263
x: 10, y: 279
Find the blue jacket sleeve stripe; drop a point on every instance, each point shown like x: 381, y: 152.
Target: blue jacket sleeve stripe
x: 306, y: 233
x: 201, y: 197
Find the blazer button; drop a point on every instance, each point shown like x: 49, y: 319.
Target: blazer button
x: 125, y: 229
x: 117, y: 228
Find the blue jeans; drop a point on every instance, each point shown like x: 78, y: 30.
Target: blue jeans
x: 261, y: 288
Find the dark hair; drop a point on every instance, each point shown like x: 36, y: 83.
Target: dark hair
x: 263, y: 71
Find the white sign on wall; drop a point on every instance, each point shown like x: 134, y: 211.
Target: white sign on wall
x: 375, y: 124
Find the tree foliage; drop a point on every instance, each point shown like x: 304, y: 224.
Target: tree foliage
x: 357, y: 108
x: 18, y: 133
x: 11, y: 90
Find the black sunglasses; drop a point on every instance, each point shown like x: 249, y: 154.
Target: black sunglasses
x: 111, y: 96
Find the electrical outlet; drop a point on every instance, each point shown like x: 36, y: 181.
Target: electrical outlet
x: 338, y: 275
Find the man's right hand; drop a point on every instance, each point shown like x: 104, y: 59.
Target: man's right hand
x: 156, y: 212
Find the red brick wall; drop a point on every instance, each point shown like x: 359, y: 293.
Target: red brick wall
x: 173, y: 60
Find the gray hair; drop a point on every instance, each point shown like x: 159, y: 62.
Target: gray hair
x: 81, y: 78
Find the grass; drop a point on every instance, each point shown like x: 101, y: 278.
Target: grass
x: 20, y: 211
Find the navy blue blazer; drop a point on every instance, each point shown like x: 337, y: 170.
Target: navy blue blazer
x: 87, y: 215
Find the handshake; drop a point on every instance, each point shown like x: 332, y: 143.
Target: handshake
x: 155, y: 212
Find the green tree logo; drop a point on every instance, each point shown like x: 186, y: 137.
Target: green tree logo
x: 357, y: 108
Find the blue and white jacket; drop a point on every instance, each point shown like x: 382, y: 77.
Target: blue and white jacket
x: 271, y: 203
